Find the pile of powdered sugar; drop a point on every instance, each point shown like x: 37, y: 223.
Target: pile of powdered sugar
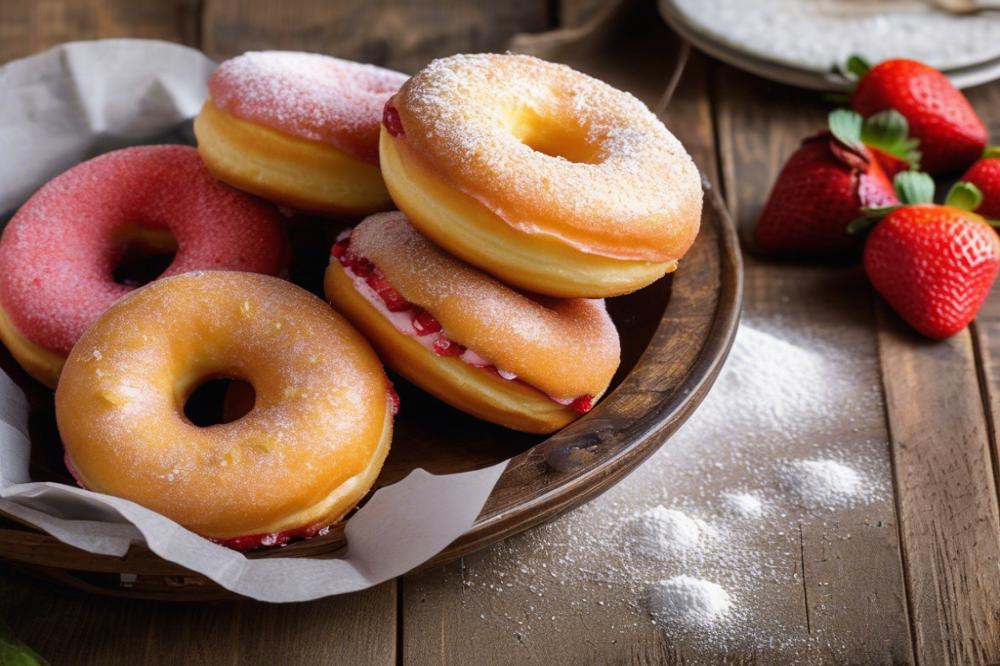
x: 708, y: 540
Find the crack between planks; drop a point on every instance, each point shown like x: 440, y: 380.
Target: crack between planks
x: 904, y: 559
x: 805, y: 589
x: 984, y: 393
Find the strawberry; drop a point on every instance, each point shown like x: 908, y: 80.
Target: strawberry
x: 934, y: 264
x: 827, y: 181
x: 951, y: 134
x: 985, y: 174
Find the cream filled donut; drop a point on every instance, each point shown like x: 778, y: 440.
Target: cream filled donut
x: 308, y: 450
x: 300, y: 129
x: 60, y: 250
x: 526, y: 362
x: 547, y: 178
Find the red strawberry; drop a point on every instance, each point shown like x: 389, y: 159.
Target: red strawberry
x: 933, y: 264
x: 951, y: 134
x: 985, y: 174
x: 825, y: 184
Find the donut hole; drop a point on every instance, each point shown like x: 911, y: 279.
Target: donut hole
x: 219, y: 400
x: 144, y: 255
x: 555, y: 137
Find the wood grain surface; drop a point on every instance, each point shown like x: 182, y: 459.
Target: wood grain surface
x: 912, y: 579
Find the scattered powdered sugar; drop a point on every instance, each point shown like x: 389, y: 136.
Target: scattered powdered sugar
x: 822, y: 483
x: 707, y: 541
x: 688, y: 601
x: 746, y: 505
x: 661, y: 532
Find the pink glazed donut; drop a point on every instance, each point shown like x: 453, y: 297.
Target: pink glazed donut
x: 300, y: 129
x: 59, y: 253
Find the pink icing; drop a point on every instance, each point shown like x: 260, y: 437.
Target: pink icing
x: 58, y: 252
x: 308, y: 95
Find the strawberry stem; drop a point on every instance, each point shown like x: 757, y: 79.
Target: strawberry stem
x: 964, y: 196
x: 991, y: 152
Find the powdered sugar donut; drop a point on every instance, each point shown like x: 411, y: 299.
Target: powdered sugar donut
x: 300, y: 129
x: 59, y: 252
x: 549, y: 179
x: 527, y: 362
x: 309, y: 449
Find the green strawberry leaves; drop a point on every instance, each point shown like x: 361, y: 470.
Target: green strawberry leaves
x: 889, y: 132
x: 886, y: 131
x: 15, y: 653
x: 964, y: 196
x: 856, y: 67
x: 845, y: 125
x: 991, y: 152
x: 912, y: 187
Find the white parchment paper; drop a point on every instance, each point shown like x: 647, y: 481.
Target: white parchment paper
x: 81, y: 99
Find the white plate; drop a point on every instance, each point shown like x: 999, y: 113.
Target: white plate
x: 737, y: 32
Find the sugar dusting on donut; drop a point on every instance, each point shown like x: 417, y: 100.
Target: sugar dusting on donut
x: 639, y: 197
x: 308, y: 95
x: 58, y: 252
x: 319, y: 412
x: 510, y: 329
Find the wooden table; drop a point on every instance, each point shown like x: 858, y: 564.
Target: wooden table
x: 921, y: 584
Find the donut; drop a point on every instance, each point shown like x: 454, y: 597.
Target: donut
x: 548, y: 179
x: 298, y: 461
x: 530, y: 363
x: 59, y: 252
x: 300, y: 129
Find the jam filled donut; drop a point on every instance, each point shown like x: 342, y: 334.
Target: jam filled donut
x: 308, y: 450
x: 300, y: 129
x: 548, y: 179
x: 59, y: 253
x: 526, y: 362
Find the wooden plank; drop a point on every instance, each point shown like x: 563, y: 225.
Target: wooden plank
x: 946, y: 493
x: 29, y: 26
x: 946, y: 467
x: 69, y: 627
x: 403, y: 36
x: 986, y: 329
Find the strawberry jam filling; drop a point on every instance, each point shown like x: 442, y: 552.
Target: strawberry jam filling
x: 390, y: 118
x: 256, y: 541
x: 413, y: 320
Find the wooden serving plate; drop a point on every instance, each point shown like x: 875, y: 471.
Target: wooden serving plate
x: 675, y: 335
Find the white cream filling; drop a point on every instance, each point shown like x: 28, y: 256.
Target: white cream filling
x: 403, y: 322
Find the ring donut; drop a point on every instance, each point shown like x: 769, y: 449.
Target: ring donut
x: 300, y: 129
x: 526, y: 362
x: 299, y: 460
x: 552, y: 181
x: 59, y: 252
